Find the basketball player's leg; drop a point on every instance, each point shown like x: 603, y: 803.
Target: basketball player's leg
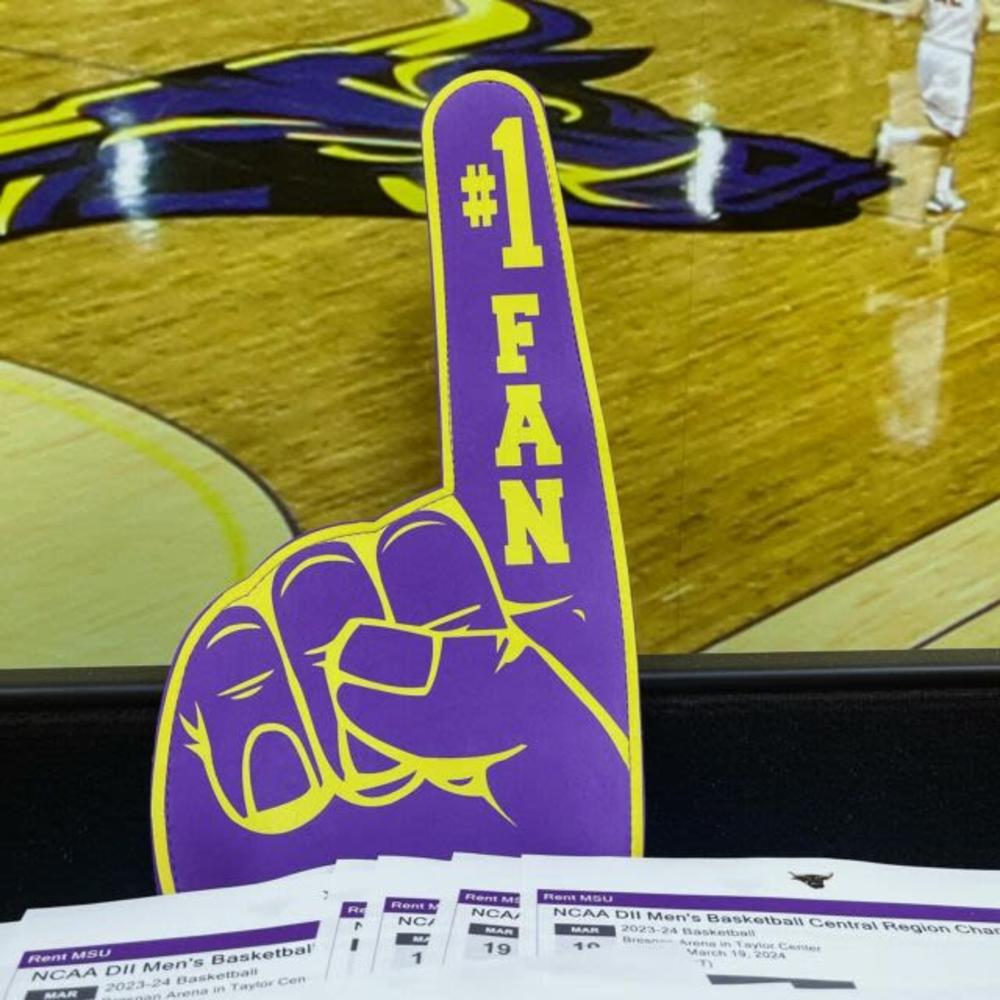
x: 891, y: 135
x: 946, y: 91
x: 930, y: 67
x: 945, y: 198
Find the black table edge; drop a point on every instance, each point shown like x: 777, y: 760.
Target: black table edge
x: 661, y: 674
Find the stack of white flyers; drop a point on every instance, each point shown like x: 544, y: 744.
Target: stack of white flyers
x: 478, y: 925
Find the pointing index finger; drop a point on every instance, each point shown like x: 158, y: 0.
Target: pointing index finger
x: 523, y: 441
x: 524, y: 448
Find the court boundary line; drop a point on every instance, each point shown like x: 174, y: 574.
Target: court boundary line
x: 960, y: 624
x: 815, y: 591
x: 255, y: 477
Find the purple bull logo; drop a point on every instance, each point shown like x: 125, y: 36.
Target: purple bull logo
x: 334, y: 129
x: 459, y: 674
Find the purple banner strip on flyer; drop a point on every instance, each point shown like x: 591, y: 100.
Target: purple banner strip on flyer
x: 766, y: 904
x: 353, y: 909
x: 92, y: 953
x: 478, y: 897
x: 402, y: 904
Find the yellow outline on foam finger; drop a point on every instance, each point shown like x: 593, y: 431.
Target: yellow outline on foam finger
x: 600, y: 431
x: 239, y: 592
x: 442, y: 497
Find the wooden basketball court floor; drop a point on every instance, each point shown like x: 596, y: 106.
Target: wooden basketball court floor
x: 804, y: 424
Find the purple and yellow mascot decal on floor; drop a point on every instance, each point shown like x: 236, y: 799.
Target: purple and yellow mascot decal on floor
x: 459, y: 674
x: 332, y: 128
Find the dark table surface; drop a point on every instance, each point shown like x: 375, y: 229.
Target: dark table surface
x: 893, y: 759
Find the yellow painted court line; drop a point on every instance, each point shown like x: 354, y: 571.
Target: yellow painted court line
x: 71, y: 108
x: 938, y: 592
x: 187, y: 124
x: 113, y: 420
x: 126, y: 524
x: 479, y: 21
x: 354, y: 140
x: 342, y: 151
x: 383, y: 93
x: 578, y: 178
x: 11, y: 195
x: 409, y: 72
x: 48, y: 135
x: 280, y: 55
x: 405, y: 192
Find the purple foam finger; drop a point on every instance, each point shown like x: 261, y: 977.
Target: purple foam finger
x: 245, y: 758
x: 434, y: 576
x: 235, y: 700
x: 315, y: 593
x: 459, y: 674
x: 523, y: 440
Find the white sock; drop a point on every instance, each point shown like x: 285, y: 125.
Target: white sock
x: 945, y: 180
x: 899, y: 134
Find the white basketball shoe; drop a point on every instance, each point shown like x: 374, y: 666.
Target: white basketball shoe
x: 945, y: 198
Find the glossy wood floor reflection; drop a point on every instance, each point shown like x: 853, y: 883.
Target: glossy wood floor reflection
x: 785, y: 409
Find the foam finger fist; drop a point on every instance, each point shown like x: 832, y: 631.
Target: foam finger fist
x: 459, y: 674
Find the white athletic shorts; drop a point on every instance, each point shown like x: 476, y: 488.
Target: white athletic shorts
x: 945, y: 86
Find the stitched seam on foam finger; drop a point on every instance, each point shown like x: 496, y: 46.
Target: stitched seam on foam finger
x: 556, y: 192
x: 579, y: 334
